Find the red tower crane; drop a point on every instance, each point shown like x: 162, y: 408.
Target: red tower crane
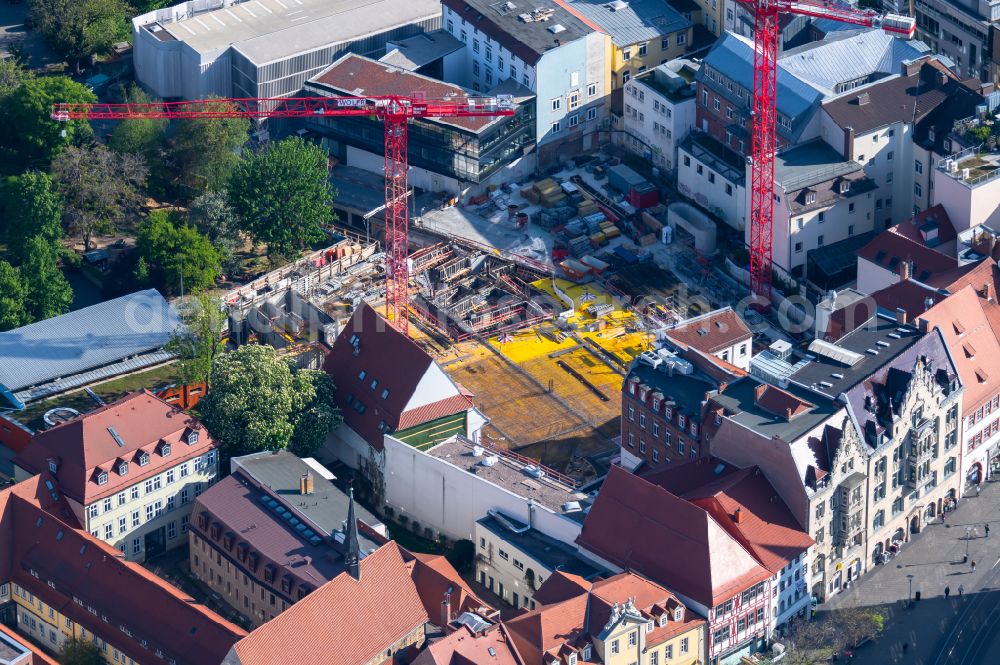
x: 395, y: 113
x: 764, y: 144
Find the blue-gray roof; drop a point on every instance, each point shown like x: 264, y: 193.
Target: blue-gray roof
x: 636, y: 22
x: 732, y: 56
x: 847, y: 57
x: 81, y: 342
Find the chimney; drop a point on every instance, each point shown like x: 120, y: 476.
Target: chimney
x: 738, y: 516
x: 923, y: 325
x: 849, y: 143
x: 928, y: 303
x: 446, y: 609
x: 905, y: 270
x: 788, y: 414
x: 759, y: 391
x: 307, y: 484
x: 901, y: 317
x: 986, y: 292
x: 722, y: 386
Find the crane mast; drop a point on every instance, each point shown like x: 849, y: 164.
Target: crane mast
x: 395, y: 113
x: 764, y: 143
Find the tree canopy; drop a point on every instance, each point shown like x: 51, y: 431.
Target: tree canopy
x: 46, y: 291
x: 178, y: 257
x: 12, y: 75
x: 79, y: 29
x: 80, y: 652
x: 29, y: 134
x: 142, y: 136
x: 32, y: 208
x: 99, y: 188
x: 213, y: 216
x: 12, y: 311
x: 283, y: 194
x: 201, y: 340
x: 203, y: 151
x: 260, y: 402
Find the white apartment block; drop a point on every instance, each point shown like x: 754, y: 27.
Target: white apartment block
x: 659, y: 112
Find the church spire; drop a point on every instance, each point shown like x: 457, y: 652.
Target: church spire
x: 353, y: 557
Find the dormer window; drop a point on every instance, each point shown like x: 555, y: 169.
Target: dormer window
x: 571, y: 660
x: 631, y: 386
x: 649, y: 626
x: 192, y: 437
x: 845, y: 186
x: 123, y: 468
x: 53, y: 465
x: 165, y: 450
x: 810, y: 198
x: 678, y: 613
x: 663, y: 620
x: 694, y: 428
x: 668, y: 412
x: 681, y: 420
x: 586, y: 652
x: 143, y: 459
x: 656, y: 402
x: 102, y: 478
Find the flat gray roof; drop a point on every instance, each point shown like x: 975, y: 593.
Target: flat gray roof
x: 809, y: 164
x: 634, y: 21
x: 326, y: 507
x: 268, y: 30
x: 739, y: 401
x: 128, y: 331
x: 414, y: 52
x: 552, y: 553
x: 510, y: 474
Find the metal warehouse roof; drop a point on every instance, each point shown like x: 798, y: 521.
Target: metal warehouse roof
x: 632, y: 21
x: 841, y: 60
x: 83, y: 341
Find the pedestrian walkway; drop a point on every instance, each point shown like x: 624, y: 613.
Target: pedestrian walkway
x: 930, y: 562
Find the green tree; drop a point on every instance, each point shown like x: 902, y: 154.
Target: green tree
x: 200, y: 342
x: 47, y: 293
x: 142, y: 136
x: 980, y: 134
x: 80, y: 652
x: 181, y: 258
x: 313, y: 413
x: 283, y: 194
x: 29, y: 133
x: 257, y: 400
x: 213, y: 216
x: 32, y: 208
x: 80, y: 29
x: 203, y: 151
x: 12, y: 312
x: 12, y: 75
x: 99, y: 188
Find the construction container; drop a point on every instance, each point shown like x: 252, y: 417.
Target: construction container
x: 644, y: 196
x: 521, y: 220
x: 574, y: 269
x: 595, y: 263
x: 612, y: 232
x: 598, y: 239
x: 647, y: 240
x: 637, y: 190
x: 627, y: 255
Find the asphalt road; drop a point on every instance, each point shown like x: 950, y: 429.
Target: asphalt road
x: 940, y: 629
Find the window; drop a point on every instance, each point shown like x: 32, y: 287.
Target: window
x: 102, y: 478
x: 123, y: 469
x: 136, y: 545
x: 918, y: 166
x: 681, y: 38
x: 850, y: 208
x: 717, y: 105
x: 475, y: 45
x: 626, y: 76
x: 451, y: 26
x: 879, y: 520
x: 627, y: 54
x: 654, y: 657
x: 135, y: 519
x: 917, y: 189
x: 642, y: 50
x: 665, y: 43
x: 656, y: 455
x: 615, y: 647
x: 574, y: 120
x: 475, y: 72
x: 489, y: 54
x: 821, y: 217
x: 631, y: 440
x: 684, y: 645
x: 109, y: 531
x: 704, y: 98
x: 729, y: 189
x: 888, y: 177
x: 819, y: 241
x: 850, y: 229
x: 556, y: 127
x: 642, y: 446
x: 888, y: 155
x: 810, y: 198
x: 122, y: 525
x: 592, y: 90
x: 586, y: 649
x: 798, y: 247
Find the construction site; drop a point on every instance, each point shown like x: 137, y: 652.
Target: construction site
x: 535, y: 298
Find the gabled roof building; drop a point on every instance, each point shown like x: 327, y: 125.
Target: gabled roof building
x: 65, y: 584
x: 129, y: 471
x: 386, y: 384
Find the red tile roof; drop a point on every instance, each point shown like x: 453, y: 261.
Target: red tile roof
x: 909, y: 295
x: 935, y: 215
x: 439, y: 409
x: 388, y: 356
x: 349, y: 622
x: 889, y: 250
x: 553, y: 627
x: 85, y: 446
x: 357, y: 75
x: 346, y: 621
x: 633, y: 522
x: 493, y: 646
x: 964, y: 320
x: 711, y: 332
x: 38, y: 533
x: 560, y: 586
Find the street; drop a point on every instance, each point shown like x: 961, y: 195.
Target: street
x: 960, y: 629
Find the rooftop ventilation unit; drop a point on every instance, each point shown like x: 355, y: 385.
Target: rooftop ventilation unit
x: 489, y: 460
x: 557, y: 28
x: 617, y: 5
x: 477, y: 451
x: 833, y: 352
x: 837, y: 375
x: 572, y: 507
x: 882, y: 343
